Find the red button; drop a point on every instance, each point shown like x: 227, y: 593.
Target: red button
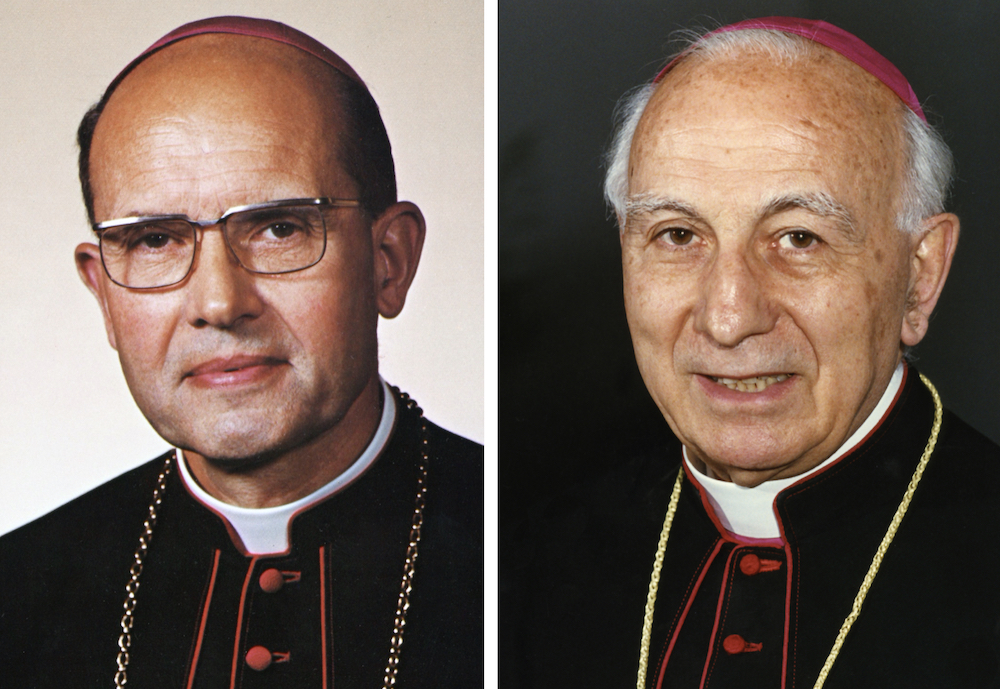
x: 259, y: 658
x: 271, y: 580
x: 732, y: 644
x: 750, y: 564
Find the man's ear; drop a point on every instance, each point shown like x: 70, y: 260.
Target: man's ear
x: 397, y: 238
x: 930, y: 261
x: 91, y: 270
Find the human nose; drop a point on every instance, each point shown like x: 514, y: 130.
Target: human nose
x: 735, y: 301
x: 221, y: 293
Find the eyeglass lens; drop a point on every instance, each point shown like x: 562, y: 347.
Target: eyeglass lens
x: 160, y: 252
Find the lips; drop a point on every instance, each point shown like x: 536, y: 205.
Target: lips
x: 752, y: 384
x: 233, y: 370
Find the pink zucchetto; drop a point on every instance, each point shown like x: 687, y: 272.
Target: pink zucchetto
x: 246, y: 26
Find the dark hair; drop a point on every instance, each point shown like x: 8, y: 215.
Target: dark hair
x: 363, y: 150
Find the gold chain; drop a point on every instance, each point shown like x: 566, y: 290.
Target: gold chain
x: 654, y: 580
x: 859, y: 599
x: 406, y: 586
x: 125, y: 639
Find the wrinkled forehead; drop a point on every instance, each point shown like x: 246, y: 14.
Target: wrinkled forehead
x: 218, y: 91
x: 852, y: 120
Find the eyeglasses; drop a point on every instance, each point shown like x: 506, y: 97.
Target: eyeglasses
x: 267, y: 238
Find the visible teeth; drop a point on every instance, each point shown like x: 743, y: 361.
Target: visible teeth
x: 751, y: 384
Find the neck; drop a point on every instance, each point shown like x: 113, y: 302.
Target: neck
x: 297, y: 472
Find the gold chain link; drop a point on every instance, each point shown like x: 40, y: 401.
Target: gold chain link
x: 859, y: 599
x: 406, y: 586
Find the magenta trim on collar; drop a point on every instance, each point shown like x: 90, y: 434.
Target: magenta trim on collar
x: 246, y: 26
x: 836, y: 39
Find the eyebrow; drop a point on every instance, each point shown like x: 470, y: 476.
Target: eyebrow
x: 645, y: 204
x: 818, y: 203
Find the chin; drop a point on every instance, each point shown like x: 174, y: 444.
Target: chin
x: 234, y: 453
x: 236, y: 448
x: 238, y: 463
x: 748, y: 457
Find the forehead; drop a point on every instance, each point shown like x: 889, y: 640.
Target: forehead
x: 741, y: 116
x: 215, y: 106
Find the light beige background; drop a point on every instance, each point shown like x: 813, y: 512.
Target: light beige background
x: 67, y: 422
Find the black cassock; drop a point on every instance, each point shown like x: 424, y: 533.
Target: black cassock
x: 739, y: 614
x: 323, y: 613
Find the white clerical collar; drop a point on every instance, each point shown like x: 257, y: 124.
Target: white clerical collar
x: 749, y: 512
x: 265, y: 531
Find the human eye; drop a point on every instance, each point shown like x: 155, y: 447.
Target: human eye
x: 798, y: 239
x: 676, y: 236
x: 147, y: 238
x: 286, y: 228
x: 281, y: 229
x: 151, y: 239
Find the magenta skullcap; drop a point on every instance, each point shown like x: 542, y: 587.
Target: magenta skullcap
x: 245, y: 26
x: 836, y: 39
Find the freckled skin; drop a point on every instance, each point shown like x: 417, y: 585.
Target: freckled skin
x: 726, y: 293
x: 206, y: 124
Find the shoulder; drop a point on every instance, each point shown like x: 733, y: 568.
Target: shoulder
x: 455, y: 471
x: 448, y: 447
x: 575, y: 570
x: 959, y: 437
x: 966, y: 465
x: 455, y: 482
x: 64, y: 576
x: 956, y: 440
x: 453, y: 446
x: 95, y: 515
x: 595, y: 517
x: 448, y: 598
x: 963, y: 474
x: 460, y: 457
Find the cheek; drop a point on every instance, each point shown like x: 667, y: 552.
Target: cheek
x: 143, y: 325
x: 654, y: 293
x: 656, y: 306
x: 847, y: 322
x: 888, y: 304
x: 313, y: 312
x: 887, y: 287
x: 328, y: 314
x: 145, y: 330
x: 641, y: 300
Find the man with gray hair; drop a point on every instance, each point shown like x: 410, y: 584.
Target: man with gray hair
x: 780, y: 199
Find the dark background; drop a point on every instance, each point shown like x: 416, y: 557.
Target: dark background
x: 571, y: 399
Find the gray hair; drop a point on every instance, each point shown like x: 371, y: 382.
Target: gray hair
x: 929, y: 162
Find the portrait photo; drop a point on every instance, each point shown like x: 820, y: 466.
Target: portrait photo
x: 243, y: 432
x: 66, y: 404
x: 632, y: 257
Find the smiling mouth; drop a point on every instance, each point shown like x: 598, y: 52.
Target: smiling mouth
x: 755, y: 384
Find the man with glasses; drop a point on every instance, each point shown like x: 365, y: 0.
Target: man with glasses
x: 240, y: 184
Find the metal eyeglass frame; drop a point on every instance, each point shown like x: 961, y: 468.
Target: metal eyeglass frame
x: 100, y: 227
